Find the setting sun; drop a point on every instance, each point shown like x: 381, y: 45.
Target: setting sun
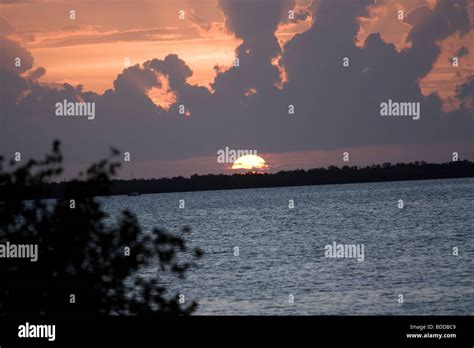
x: 250, y: 162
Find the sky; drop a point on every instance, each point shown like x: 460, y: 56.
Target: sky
x: 143, y: 62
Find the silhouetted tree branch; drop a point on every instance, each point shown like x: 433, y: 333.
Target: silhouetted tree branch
x: 79, y: 253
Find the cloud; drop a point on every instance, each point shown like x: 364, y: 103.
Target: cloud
x: 435, y: 24
x: 462, y: 51
x: 87, y: 36
x: 197, y: 20
x: 346, y: 100
x: 255, y: 24
x: 336, y: 107
x: 5, y: 27
x: 205, y: 27
x: 37, y: 73
x: 247, y: 19
x: 14, y: 61
x: 465, y: 93
x: 173, y: 67
x: 301, y: 13
x: 135, y: 80
x: 15, y: 58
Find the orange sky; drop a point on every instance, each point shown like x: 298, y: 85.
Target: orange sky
x: 91, y: 49
x: 384, y: 19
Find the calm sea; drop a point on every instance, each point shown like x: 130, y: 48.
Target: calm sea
x: 281, y: 251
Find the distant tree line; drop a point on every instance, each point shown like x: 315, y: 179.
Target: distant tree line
x: 318, y: 176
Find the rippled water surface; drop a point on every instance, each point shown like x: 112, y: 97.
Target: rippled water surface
x: 407, y: 251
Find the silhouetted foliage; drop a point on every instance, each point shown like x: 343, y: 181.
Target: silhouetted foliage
x: 79, y: 253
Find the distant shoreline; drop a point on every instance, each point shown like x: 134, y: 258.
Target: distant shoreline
x: 269, y: 187
x: 211, y: 182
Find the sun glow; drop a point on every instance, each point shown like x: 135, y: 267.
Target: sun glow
x: 251, y: 163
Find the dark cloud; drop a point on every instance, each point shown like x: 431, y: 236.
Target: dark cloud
x: 255, y: 23
x: 37, y: 73
x: 465, y: 93
x: 344, y: 102
x: 429, y: 27
x: 336, y: 107
x: 14, y: 61
x: 174, y: 68
x: 462, y: 52
x: 247, y: 19
x: 135, y: 80
x: 11, y: 51
x: 300, y: 13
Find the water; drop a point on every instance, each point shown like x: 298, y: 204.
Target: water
x: 407, y: 251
